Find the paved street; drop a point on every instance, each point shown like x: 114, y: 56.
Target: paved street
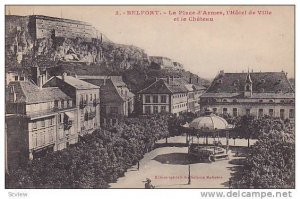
x: 167, y: 167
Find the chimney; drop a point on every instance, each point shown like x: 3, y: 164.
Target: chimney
x: 197, y: 80
x: 13, y: 94
x: 40, y: 80
x: 221, y: 72
x: 35, y: 72
x: 64, y: 75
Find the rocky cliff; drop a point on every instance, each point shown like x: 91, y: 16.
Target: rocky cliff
x: 77, y: 55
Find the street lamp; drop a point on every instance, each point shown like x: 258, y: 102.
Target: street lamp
x: 189, y: 161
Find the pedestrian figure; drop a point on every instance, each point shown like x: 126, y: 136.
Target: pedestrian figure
x: 148, y: 184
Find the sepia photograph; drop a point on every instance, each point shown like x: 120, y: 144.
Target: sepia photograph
x: 149, y: 97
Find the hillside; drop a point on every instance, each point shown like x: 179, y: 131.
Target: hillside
x: 77, y: 55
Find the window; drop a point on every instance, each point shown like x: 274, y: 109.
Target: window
x: 155, y: 109
x: 234, y: 112
x: 292, y: 113
x: 155, y: 99
x: 215, y: 110
x: 91, y: 97
x: 95, y: 96
x: 163, y: 99
x: 51, y: 121
x: 43, y: 123
x: 147, y: 98
x: 248, y: 88
x: 163, y: 108
x: 36, y: 140
x: 224, y: 110
x: 224, y: 100
x: 16, y: 78
x: 271, y: 112
x: 260, y: 112
x: 148, y: 109
x: 261, y: 101
x: 22, y: 78
x: 282, y: 114
x: 34, y: 125
x: 248, y: 111
x: 62, y: 103
x: 235, y: 100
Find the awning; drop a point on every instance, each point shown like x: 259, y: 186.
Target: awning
x: 70, y: 115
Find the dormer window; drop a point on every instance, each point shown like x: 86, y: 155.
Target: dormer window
x: 235, y: 100
x: 278, y: 81
x: 248, y: 88
x: 291, y: 101
x: 262, y: 81
x: 279, y: 91
x: 220, y: 81
x: 281, y: 101
x: 224, y: 100
x: 271, y: 101
x: 261, y: 101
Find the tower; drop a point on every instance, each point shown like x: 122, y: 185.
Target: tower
x: 248, y: 86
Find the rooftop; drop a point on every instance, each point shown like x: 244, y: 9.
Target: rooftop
x: 171, y: 85
x: 27, y: 92
x: 109, y: 87
x: 77, y: 83
x: 262, y: 82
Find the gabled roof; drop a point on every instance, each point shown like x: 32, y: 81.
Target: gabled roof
x: 109, y: 89
x: 77, y: 83
x: 262, y: 82
x: 162, y: 86
x: 29, y: 93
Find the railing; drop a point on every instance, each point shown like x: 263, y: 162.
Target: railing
x: 89, y: 116
x: 67, y: 125
x: 82, y: 104
x: 96, y: 102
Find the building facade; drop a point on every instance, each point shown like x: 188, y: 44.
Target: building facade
x: 38, y: 120
x: 86, y: 99
x: 258, y: 94
x: 46, y: 27
x: 165, y: 63
x: 116, y: 100
x: 173, y: 95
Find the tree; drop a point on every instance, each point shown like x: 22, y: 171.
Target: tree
x: 270, y: 164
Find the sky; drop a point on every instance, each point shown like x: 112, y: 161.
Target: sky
x: 233, y: 43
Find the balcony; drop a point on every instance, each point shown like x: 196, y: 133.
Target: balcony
x: 67, y: 125
x: 89, y: 116
x: 96, y: 102
x: 82, y: 104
